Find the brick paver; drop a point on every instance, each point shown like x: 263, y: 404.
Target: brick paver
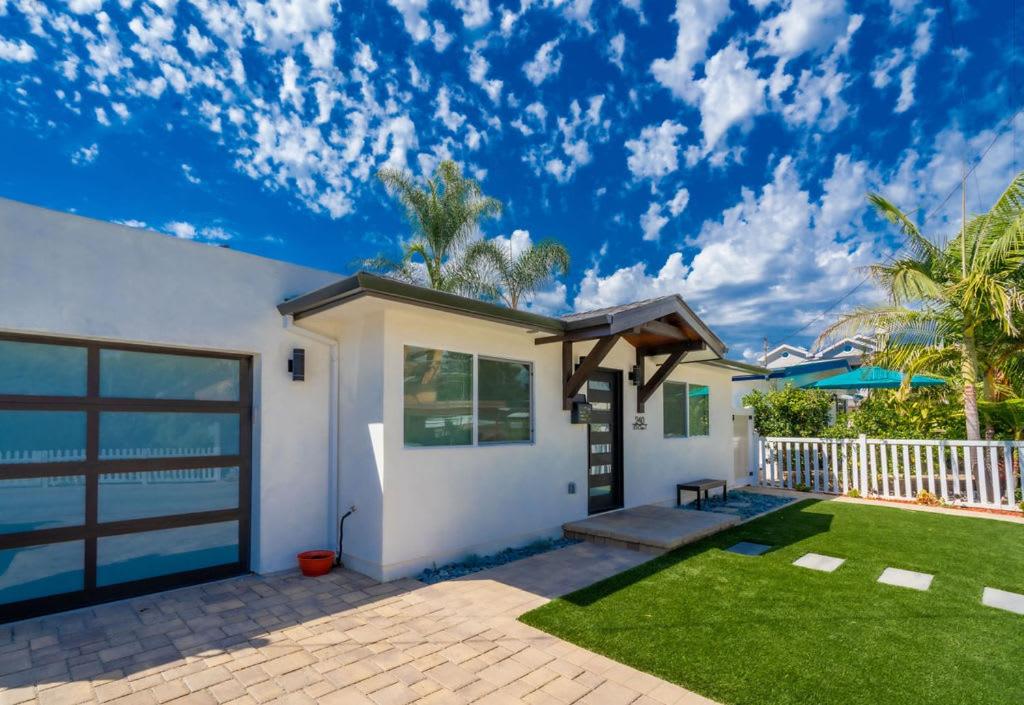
x: 339, y: 640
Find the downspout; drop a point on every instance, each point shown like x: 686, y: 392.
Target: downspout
x: 333, y: 418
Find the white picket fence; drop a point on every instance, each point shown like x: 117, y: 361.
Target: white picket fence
x: 964, y: 473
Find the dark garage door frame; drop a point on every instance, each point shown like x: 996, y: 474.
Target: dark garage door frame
x: 93, y: 466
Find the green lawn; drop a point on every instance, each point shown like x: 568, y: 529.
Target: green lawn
x: 760, y: 631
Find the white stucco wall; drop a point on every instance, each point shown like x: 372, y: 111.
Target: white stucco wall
x: 69, y: 276
x: 441, y: 503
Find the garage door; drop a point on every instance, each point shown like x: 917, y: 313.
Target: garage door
x: 123, y: 470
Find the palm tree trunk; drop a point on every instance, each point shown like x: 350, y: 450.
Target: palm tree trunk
x: 969, y: 375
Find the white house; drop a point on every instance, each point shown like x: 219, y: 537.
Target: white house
x: 172, y: 412
x: 852, y: 349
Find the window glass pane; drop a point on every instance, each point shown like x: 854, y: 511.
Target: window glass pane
x: 147, y: 434
x: 503, y: 404
x: 120, y: 559
x: 601, y: 491
x: 674, y: 404
x: 136, y: 495
x: 37, y: 571
x: 144, y: 375
x: 34, y: 503
x: 42, y: 370
x: 42, y: 436
x: 438, y: 398
x: 699, y: 410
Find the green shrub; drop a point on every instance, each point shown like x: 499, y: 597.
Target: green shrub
x: 790, y: 411
x: 923, y: 413
x: 854, y: 492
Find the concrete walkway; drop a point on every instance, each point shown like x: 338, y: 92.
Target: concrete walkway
x: 338, y: 640
x: 651, y: 528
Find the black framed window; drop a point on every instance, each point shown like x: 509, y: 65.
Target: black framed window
x: 686, y: 410
x: 123, y: 469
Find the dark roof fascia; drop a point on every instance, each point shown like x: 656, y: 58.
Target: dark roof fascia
x: 619, y: 321
x: 366, y: 284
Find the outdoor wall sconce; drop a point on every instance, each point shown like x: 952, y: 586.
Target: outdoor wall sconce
x: 581, y: 409
x: 297, y: 364
x: 634, y: 375
x: 572, y: 488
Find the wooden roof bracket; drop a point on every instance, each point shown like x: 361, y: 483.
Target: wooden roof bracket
x: 575, y: 379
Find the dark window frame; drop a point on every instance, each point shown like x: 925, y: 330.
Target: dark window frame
x: 92, y: 467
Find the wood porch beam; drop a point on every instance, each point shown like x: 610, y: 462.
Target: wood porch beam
x: 640, y: 376
x: 566, y: 372
x: 644, y: 392
x: 669, y: 348
x: 590, y: 363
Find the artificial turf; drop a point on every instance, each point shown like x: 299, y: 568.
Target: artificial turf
x: 760, y: 631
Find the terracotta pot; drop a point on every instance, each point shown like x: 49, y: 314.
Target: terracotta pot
x: 314, y: 563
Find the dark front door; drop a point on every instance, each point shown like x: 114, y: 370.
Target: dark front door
x: 604, y: 441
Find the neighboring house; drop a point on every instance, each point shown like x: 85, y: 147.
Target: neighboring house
x: 784, y: 356
x: 852, y: 349
x: 158, y: 426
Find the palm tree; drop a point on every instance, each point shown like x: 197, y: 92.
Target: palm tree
x: 511, y: 276
x: 444, y: 215
x: 945, y: 299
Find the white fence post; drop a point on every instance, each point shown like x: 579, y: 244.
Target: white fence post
x: 862, y: 445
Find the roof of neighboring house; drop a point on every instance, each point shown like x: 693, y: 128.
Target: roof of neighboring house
x: 856, y: 341
x: 625, y: 320
x: 794, y: 370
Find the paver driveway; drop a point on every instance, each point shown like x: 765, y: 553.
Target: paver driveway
x: 341, y: 639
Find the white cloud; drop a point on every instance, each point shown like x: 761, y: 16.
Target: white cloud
x: 697, y: 21
x: 190, y: 174
x: 441, y: 38
x: 679, y: 202
x: 290, y: 91
x: 451, y: 119
x: 85, y: 155
x: 319, y: 49
x: 803, y: 25
x: 905, y: 100
x: 84, y: 7
x: 478, y: 68
x: 616, y: 49
x: 17, y: 51
x: 630, y: 284
x: 101, y: 117
x: 545, y: 63
x: 198, y: 43
x: 281, y: 24
x: 475, y: 13
x: 655, y: 153
x: 364, y: 58
x: 731, y: 93
x: 412, y: 17
x: 178, y: 228
x: 652, y: 221
x: 817, y: 101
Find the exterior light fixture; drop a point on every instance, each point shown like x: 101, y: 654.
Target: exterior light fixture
x: 297, y: 364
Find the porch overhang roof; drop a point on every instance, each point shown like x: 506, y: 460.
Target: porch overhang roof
x: 658, y: 325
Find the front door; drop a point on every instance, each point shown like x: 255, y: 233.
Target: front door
x: 604, y: 441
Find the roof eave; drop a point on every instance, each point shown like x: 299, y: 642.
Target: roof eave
x: 366, y: 284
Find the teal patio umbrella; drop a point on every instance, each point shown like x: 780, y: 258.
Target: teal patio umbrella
x: 869, y: 377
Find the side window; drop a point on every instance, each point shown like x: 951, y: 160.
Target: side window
x: 504, y: 408
x: 438, y: 405
x: 686, y: 410
x: 698, y: 410
x: 674, y: 409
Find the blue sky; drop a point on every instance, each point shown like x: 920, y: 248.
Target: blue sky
x: 720, y: 149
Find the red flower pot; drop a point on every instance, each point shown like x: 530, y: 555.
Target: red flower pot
x: 314, y: 563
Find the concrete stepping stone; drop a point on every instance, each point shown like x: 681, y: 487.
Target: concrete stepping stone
x: 816, y: 561
x: 747, y: 548
x: 906, y: 578
x: 1003, y: 600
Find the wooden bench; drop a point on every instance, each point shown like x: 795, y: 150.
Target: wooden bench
x: 699, y: 486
